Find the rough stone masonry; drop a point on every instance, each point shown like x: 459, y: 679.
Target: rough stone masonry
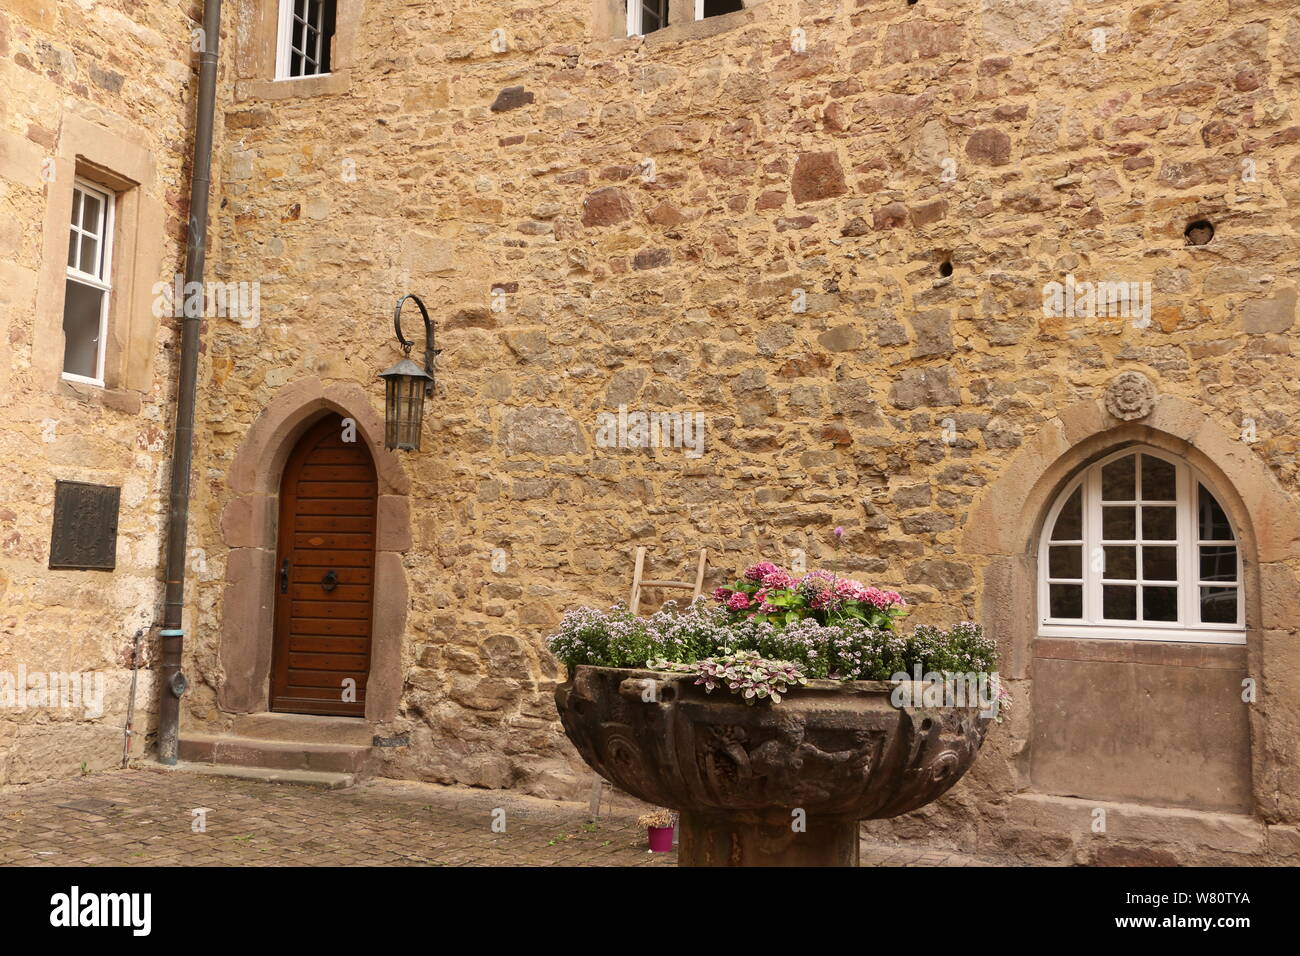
x: 837, y: 255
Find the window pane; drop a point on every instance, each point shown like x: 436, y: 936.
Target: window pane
x: 81, y: 312
x: 1159, y: 523
x: 1069, y: 523
x: 1159, y: 563
x: 90, y: 208
x: 1218, y: 564
x: 1118, y: 523
x: 1158, y: 480
x: 1213, y: 522
x: 72, y: 249
x: 1121, y: 562
x: 1065, y: 561
x: 89, y: 256
x: 1119, y: 602
x: 713, y: 8
x: 1219, y: 605
x: 1065, y: 600
x: 1117, y: 480
x: 1160, y: 604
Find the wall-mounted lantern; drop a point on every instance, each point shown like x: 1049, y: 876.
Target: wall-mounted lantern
x: 406, y: 385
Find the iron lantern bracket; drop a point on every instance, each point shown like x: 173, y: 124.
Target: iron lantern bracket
x: 430, y: 351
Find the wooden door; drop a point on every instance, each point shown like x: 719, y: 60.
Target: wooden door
x: 325, y: 567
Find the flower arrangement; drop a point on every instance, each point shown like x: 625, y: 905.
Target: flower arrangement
x: 766, y: 592
x: 656, y: 819
x: 824, y: 627
x: 746, y: 673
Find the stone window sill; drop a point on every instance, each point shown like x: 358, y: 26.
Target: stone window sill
x: 119, y: 399
x: 697, y: 29
x: 299, y: 87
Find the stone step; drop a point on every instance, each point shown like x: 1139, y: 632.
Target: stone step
x: 302, y: 778
x: 303, y: 728
x: 231, y: 750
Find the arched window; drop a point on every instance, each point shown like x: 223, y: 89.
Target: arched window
x: 1138, y: 548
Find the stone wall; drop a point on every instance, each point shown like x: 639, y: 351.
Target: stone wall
x: 838, y: 256
x: 102, y: 90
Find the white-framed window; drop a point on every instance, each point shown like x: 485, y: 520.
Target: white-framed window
x: 305, y: 39
x: 1137, y: 547
x: 89, y: 283
x: 646, y: 16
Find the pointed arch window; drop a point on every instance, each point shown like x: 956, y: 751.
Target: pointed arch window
x: 1137, y: 547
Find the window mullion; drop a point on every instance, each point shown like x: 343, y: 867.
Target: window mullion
x: 1188, y: 550
x: 1092, y: 542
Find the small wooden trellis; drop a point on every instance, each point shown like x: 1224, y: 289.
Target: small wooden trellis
x: 638, y: 582
x: 633, y: 603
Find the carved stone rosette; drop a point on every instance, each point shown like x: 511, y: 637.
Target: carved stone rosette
x: 1130, y: 396
x: 737, y: 773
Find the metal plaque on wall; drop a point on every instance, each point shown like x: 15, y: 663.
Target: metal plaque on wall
x: 85, y: 526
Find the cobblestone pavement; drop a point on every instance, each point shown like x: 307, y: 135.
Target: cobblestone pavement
x: 376, y: 823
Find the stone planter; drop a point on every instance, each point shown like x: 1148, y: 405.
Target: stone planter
x: 738, y: 773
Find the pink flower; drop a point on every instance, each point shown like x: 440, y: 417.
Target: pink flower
x: 882, y: 599
x: 839, y: 532
x: 757, y: 571
x: 721, y: 594
x: 738, y: 601
x: 853, y: 590
x: 777, y: 579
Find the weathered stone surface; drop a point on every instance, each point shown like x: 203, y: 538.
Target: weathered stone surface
x: 1082, y: 162
x: 817, y: 176
x: 1275, y: 314
x: 924, y: 386
x: 511, y: 98
x: 540, y: 431
x: 840, y: 752
x: 991, y: 147
x: 937, y: 573
x: 606, y: 207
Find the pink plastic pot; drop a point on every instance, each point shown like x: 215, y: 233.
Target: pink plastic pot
x: 661, y: 839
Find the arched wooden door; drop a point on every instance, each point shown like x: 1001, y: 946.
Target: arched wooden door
x: 325, y: 566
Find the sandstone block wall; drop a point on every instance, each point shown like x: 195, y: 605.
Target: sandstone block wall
x: 110, y: 84
x: 837, y: 256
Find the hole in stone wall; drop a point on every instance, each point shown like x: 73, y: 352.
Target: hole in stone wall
x: 945, y: 268
x: 1199, y: 232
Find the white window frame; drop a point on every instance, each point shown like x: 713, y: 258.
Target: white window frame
x: 1189, y: 628
x: 103, y: 281
x: 634, y: 18
x: 284, y: 41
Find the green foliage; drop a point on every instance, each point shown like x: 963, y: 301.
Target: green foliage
x: 850, y: 650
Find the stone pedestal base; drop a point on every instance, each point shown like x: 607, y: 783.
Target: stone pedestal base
x: 735, y: 839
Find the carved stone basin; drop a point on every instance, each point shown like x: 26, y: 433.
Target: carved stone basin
x: 740, y: 774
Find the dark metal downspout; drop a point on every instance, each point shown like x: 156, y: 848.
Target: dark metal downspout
x: 173, y: 634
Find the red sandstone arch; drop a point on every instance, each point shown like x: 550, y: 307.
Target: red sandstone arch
x: 1002, y: 535
x: 248, y: 529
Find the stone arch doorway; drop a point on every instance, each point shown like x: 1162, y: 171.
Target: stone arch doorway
x: 250, y: 529
x: 325, y: 560
x: 1088, y: 698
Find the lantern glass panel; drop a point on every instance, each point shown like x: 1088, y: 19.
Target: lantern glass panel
x: 413, y: 412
